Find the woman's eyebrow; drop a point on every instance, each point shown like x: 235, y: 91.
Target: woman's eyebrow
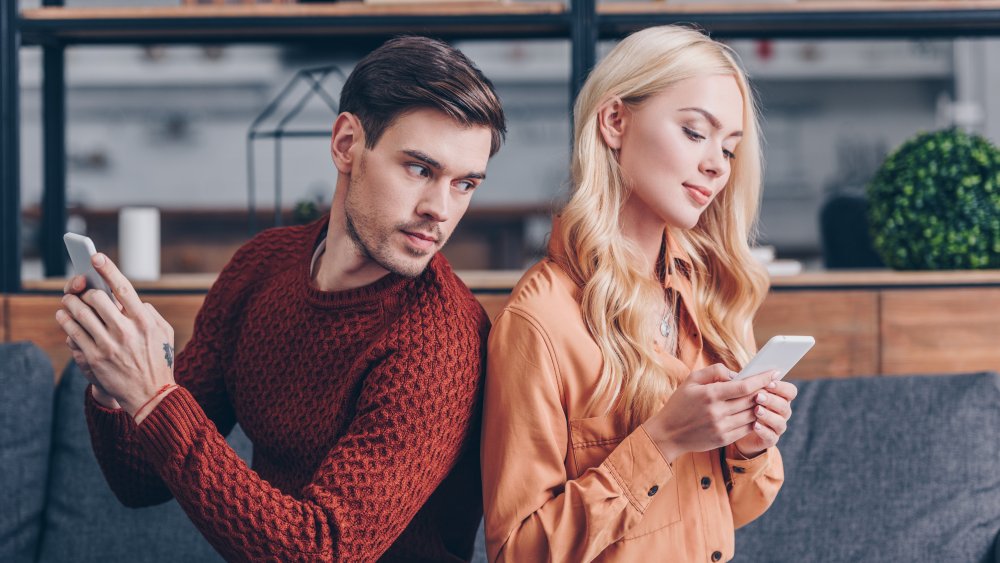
x: 712, y: 119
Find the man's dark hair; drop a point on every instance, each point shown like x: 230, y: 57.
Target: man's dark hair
x: 410, y: 73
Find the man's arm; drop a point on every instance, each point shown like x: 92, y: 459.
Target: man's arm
x: 413, y: 418
x: 199, y: 368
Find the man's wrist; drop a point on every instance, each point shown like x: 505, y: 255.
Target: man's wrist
x: 104, y: 399
x: 150, y: 405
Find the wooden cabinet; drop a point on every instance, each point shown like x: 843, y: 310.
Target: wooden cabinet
x: 887, y: 323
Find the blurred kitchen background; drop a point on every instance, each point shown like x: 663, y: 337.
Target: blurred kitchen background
x: 167, y: 127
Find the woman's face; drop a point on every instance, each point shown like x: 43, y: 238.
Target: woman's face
x: 677, y: 149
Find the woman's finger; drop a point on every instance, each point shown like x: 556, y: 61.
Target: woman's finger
x: 774, y: 423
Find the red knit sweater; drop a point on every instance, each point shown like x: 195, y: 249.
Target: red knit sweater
x: 362, y: 407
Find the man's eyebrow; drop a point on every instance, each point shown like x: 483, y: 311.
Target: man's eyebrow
x: 426, y: 159
x: 712, y: 119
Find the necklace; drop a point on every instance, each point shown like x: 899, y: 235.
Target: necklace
x: 669, y: 300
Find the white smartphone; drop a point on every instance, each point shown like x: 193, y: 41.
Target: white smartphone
x: 80, y: 250
x: 780, y: 353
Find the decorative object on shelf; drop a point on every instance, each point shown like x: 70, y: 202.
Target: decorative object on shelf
x: 139, y: 243
x: 845, y: 205
x: 935, y: 203
x: 275, y: 125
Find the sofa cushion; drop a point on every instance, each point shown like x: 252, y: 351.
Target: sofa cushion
x: 84, y: 520
x: 27, y: 380
x: 886, y: 469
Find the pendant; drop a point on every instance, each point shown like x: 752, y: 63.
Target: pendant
x: 664, y: 327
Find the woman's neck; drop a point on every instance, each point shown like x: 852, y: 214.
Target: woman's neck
x: 645, y: 230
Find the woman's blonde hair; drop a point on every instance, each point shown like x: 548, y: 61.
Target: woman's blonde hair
x: 619, y: 296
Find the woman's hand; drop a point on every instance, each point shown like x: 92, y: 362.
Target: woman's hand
x: 127, y: 351
x: 774, y: 408
x: 707, y: 411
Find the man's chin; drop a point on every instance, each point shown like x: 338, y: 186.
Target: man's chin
x: 409, y: 266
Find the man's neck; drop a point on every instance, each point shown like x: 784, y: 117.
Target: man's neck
x: 342, y: 265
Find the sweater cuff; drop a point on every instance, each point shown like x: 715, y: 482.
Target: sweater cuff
x: 639, y: 468
x: 170, y: 429
x: 746, y: 469
x: 105, y: 421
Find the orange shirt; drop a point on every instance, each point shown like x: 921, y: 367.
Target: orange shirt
x: 561, y: 484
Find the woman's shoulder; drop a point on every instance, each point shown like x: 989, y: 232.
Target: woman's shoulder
x: 545, y: 291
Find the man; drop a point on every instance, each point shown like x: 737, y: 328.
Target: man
x: 347, y: 350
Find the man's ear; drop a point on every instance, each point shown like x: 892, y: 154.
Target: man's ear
x: 347, y: 142
x: 612, y: 118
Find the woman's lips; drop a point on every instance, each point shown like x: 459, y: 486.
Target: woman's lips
x: 700, y: 195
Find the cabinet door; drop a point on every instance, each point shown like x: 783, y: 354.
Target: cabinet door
x: 940, y: 330
x: 844, y: 324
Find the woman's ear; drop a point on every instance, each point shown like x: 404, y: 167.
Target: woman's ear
x: 612, y: 118
x: 347, y: 139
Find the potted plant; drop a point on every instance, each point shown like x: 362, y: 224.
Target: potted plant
x: 935, y: 203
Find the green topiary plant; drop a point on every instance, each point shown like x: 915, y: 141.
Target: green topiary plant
x: 935, y: 203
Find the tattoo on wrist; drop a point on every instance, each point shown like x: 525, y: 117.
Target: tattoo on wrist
x: 168, y: 351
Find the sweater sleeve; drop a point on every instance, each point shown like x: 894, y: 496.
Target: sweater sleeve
x: 414, y: 416
x: 199, y: 368
x: 534, y: 512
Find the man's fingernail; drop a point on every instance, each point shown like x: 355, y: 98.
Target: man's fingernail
x: 99, y: 259
x: 59, y: 315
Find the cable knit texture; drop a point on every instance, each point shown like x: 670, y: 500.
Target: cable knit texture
x: 362, y: 406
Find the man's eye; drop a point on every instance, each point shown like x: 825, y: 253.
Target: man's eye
x: 418, y: 170
x: 466, y: 186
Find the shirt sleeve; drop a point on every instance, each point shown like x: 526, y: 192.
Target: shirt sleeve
x: 754, y: 483
x: 533, y: 511
x: 199, y: 368
x: 414, y: 417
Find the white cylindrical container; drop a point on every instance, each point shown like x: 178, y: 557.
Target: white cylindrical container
x: 139, y: 243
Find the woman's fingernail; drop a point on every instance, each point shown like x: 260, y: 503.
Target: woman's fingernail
x: 761, y: 397
x: 760, y: 411
x: 757, y: 426
x: 772, y: 385
x: 775, y: 375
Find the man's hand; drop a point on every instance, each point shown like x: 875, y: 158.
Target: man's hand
x: 126, y: 350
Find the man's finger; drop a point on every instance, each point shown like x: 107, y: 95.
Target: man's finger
x: 119, y: 284
x: 75, y: 284
x: 109, y: 312
x: 86, y: 318
x: 73, y: 329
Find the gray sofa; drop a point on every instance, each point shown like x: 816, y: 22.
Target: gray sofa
x: 877, y: 469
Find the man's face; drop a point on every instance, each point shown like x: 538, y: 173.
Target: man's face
x: 408, y: 192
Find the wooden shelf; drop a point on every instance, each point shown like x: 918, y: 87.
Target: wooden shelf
x: 292, y: 22
x: 807, y: 18
x: 502, y: 281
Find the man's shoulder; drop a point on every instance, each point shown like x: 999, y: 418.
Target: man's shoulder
x: 276, y: 250
x: 446, y: 297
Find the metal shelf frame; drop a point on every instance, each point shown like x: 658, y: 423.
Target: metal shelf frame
x: 583, y: 24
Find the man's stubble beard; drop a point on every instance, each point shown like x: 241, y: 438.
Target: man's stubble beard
x: 378, y: 249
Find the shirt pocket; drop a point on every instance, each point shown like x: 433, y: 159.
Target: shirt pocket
x: 592, y: 440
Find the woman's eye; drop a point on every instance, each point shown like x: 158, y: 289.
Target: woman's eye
x: 693, y: 134
x: 728, y: 154
x: 418, y: 170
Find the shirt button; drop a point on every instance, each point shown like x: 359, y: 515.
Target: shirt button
x: 653, y: 490
x: 716, y: 555
x: 706, y: 482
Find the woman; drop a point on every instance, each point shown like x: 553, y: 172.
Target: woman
x: 612, y: 429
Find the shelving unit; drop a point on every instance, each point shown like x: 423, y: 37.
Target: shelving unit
x: 583, y: 23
